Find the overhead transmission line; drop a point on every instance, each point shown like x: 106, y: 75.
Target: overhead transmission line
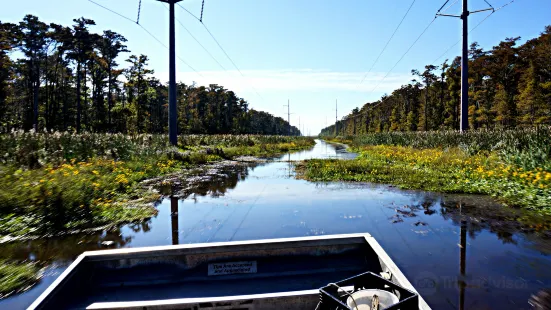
x: 219, y: 45
x: 144, y: 29
x: 473, y: 29
x: 403, y: 55
x: 482, y: 21
x: 196, y: 40
x: 442, y: 9
x: 409, y: 48
x: 387, y: 42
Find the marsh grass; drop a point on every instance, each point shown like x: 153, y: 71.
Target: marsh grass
x: 16, y: 277
x: 58, y: 182
x: 529, y: 148
x: 443, y: 170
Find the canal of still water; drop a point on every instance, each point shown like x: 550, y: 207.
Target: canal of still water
x: 460, y: 251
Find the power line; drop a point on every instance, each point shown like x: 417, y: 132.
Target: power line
x: 403, y: 55
x: 193, y: 15
x: 220, y: 46
x: 450, y: 6
x: 108, y: 9
x: 233, y: 63
x: 473, y: 29
x: 147, y: 31
x: 386, y: 45
x: 202, y: 46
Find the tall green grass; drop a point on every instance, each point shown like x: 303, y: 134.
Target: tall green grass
x: 529, y: 148
x: 54, y: 182
x: 30, y: 149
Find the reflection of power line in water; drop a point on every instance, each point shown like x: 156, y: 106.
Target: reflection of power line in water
x: 248, y: 211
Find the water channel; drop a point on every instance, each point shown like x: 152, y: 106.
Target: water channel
x: 460, y: 251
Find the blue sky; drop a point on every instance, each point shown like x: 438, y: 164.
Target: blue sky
x: 309, y: 51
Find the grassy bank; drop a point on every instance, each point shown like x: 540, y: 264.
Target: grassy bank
x: 514, y: 166
x: 529, y: 148
x: 61, y: 182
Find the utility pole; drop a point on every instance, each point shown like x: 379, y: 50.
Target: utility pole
x: 172, y: 110
x: 464, y: 120
x: 299, y: 123
x: 336, y: 118
x: 464, y: 123
x: 288, y: 105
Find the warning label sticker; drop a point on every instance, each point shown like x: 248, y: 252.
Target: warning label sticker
x: 219, y: 269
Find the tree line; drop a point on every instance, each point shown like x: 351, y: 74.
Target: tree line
x: 67, y: 78
x: 509, y: 86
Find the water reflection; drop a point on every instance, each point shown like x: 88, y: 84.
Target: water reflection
x: 473, y: 250
x: 63, y: 250
x: 174, y: 219
x: 462, y: 263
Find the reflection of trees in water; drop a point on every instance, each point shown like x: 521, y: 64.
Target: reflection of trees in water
x: 499, y: 220
x: 65, y: 249
x: 479, y: 213
x: 137, y: 227
x: 216, y: 182
x: 473, y: 214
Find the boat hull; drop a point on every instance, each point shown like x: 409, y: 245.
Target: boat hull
x: 255, y: 274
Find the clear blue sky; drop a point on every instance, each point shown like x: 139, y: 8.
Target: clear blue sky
x: 311, y: 52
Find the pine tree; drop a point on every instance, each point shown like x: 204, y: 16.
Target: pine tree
x: 531, y: 106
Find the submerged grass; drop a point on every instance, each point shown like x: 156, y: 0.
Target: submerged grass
x: 437, y: 169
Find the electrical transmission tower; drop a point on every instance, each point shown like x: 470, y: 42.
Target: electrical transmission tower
x: 464, y: 121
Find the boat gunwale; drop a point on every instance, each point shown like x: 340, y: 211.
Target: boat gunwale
x: 280, y: 243
x: 217, y: 247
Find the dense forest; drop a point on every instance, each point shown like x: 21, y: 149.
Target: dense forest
x: 509, y: 86
x: 60, y: 78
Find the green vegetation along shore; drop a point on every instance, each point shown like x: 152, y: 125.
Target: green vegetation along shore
x: 62, y: 182
x: 512, y: 165
x: 15, y: 278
